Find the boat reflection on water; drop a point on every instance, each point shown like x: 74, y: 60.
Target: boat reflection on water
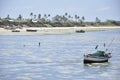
x: 97, y: 65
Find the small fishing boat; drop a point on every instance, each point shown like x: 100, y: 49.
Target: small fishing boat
x: 98, y: 57
x: 80, y: 31
x: 31, y: 30
x: 15, y: 30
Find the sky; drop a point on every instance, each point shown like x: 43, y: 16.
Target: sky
x: 90, y: 9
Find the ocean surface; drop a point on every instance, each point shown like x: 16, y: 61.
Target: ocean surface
x: 59, y: 57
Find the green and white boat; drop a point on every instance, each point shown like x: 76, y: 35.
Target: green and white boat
x: 98, y: 57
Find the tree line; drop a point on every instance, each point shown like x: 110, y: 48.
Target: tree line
x: 46, y: 20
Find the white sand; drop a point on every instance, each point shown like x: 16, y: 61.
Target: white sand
x: 55, y: 30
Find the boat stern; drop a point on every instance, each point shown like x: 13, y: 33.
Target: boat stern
x: 109, y: 55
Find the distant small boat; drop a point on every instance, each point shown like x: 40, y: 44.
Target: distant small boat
x: 31, y: 30
x: 80, y: 31
x: 98, y: 57
x: 15, y: 30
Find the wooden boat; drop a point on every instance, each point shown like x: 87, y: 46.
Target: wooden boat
x: 80, y: 31
x: 98, y: 57
x: 15, y: 30
x: 31, y: 30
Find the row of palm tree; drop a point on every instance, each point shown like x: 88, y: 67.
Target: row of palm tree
x: 66, y: 15
x: 65, y: 18
x: 61, y: 18
x: 34, y: 16
x: 58, y: 20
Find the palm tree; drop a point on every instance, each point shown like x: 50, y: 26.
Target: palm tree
x: 45, y: 16
x: 8, y: 16
x: 39, y: 16
x: 35, y: 17
x: 49, y: 16
x: 76, y: 17
x: 82, y: 20
x: 31, y: 14
x: 97, y: 21
x: 20, y: 17
x: 69, y: 17
x: 66, y: 14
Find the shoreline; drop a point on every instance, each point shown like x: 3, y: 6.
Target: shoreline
x: 55, y: 30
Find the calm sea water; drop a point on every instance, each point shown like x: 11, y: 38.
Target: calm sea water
x: 60, y: 57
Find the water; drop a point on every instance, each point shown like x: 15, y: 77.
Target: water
x: 60, y: 57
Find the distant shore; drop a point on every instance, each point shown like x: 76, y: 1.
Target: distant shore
x: 55, y: 30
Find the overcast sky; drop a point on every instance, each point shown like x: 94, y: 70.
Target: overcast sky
x: 103, y: 9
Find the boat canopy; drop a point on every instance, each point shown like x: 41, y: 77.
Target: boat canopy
x: 100, y: 54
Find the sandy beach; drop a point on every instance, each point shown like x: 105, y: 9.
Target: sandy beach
x: 55, y: 30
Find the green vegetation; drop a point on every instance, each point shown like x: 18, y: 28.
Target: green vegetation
x: 46, y: 20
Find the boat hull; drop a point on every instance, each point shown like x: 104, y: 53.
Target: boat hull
x: 95, y: 60
x: 15, y: 31
x: 30, y: 30
x: 80, y: 31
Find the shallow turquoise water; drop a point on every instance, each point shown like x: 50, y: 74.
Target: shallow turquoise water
x: 60, y: 57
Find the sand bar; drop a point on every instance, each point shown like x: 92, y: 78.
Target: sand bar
x: 55, y: 30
